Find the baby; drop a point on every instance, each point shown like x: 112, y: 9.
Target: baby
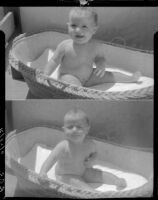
x: 77, y: 55
x: 75, y: 154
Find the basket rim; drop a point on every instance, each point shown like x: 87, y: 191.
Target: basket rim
x: 85, y: 91
x: 59, y: 128
x: 32, y: 34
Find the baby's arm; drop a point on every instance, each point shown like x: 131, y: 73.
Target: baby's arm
x: 92, y: 155
x: 112, y: 179
x: 100, y: 61
x: 52, y: 158
x: 100, y: 66
x: 55, y: 60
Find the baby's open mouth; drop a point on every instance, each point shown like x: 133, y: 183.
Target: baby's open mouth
x: 79, y: 36
x: 75, y: 135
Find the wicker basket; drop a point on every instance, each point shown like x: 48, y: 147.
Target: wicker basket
x: 27, y: 49
x: 18, y: 143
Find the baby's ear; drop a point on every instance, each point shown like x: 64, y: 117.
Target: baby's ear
x: 95, y: 29
x: 88, y: 128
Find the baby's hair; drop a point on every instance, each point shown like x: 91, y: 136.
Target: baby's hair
x: 76, y: 112
x: 85, y: 11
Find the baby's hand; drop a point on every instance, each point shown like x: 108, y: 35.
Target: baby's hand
x: 43, y: 179
x: 88, y: 161
x: 121, y: 183
x: 136, y: 76
x: 99, y: 72
x: 43, y: 175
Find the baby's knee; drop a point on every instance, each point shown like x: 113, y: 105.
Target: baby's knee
x: 70, y: 79
x: 93, y: 175
x: 110, y: 77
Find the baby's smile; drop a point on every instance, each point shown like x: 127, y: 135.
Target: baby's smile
x: 75, y: 135
x: 79, y: 36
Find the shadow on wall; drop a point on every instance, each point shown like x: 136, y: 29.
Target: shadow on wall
x: 136, y: 25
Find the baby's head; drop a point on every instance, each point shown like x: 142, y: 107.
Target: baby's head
x: 83, y: 22
x: 76, y: 125
x: 84, y: 13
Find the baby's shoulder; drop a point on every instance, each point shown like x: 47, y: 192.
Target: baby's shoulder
x: 96, y: 43
x: 90, y: 146
x: 97, y: 47
x: 65, y: 43
x: 89, y: 142
x: 62, y: 146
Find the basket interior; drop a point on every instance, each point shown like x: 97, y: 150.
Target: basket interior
x: 21, y: 144
x: 39, y: 153
x: 31, y: 47
x: 43, y: 59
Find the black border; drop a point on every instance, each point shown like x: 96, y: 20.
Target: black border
x: 121, y: 3
x: 155, y: 113
x: 77, y: 3
x: 2, y: 110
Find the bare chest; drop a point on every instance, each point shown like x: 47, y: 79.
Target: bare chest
x: 78, y: 56
x: 75, y: 155
x: 72, y: 160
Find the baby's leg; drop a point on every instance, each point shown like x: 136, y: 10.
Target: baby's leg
x: 124, y: 78
x: 95, y: 80
x: 70, y: 79
x: 111, y: 78
x: 92, y: 175
x: 75, y: 181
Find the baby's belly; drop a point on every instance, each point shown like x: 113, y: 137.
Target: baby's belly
x: 69, y: 168
x: 82, y: 73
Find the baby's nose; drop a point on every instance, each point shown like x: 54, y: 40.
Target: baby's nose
x: 74, y: 128
x: 78, y: 29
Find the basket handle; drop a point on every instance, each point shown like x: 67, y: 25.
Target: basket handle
x: 46, y: 77
x: 22, y: 36
x: 49, y: 79
x: 119, y: 38
x: 58, y: 83
x: 48, y: 183
x: 19, y: 37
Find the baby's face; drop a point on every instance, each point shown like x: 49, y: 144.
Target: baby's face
x: 81, y: 29
x: 76, y: 129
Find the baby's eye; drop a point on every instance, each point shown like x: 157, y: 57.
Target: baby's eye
x: 79, y: 127
x: 69, y: 127
x: 84, y: 27
x: 73, y: 26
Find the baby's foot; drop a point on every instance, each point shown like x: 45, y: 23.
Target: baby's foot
x: 121, y: 183
x: 43, y: 180
x: 136, y: 76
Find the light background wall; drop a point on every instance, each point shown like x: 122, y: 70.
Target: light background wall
x: 136, y: 25
x: 129, y: 122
